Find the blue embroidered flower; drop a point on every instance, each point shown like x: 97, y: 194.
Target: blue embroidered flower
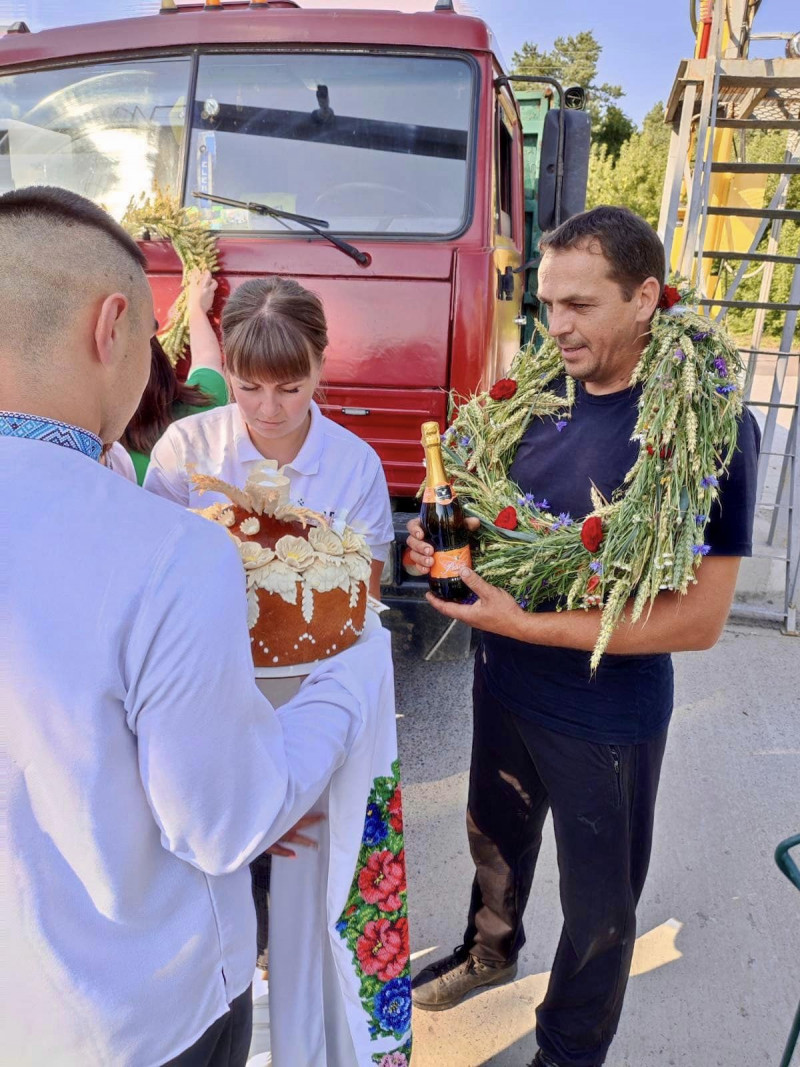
x: 393, y: 1005
x: 341, y: 927
x: 701, y: 550
x: 375, y: 829
x: 710, y: 481
x: 561, y: 424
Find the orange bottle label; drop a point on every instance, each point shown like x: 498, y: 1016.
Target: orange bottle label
x: 449, y: 564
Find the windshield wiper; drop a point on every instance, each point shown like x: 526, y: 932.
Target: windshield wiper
x: 362, y: 258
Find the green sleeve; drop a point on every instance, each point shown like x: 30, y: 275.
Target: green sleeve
x: 212, y: 383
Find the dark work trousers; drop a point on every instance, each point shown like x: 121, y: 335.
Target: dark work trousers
x: 260, y: 870
x: 602, y: 798
x: 226, y: 1042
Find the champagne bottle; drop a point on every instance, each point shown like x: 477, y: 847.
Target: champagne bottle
x: 443, y: 522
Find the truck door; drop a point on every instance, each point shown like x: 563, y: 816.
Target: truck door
x: 508, y: 236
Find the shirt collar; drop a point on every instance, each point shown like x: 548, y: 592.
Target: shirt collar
x: 39, y: 428
x: 306, y: 461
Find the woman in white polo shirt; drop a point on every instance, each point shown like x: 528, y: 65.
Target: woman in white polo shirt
x: 274, y: 335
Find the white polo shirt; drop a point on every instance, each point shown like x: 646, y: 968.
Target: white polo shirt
x: 335, y: 472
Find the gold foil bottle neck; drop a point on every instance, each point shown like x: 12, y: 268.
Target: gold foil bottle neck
x: 431, y: 434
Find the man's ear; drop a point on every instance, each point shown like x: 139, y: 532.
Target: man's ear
x: 113, y: 316
x: 648, y: 298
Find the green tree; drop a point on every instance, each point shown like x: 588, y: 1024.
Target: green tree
x: 635, y: 178
x: 614, y: 130
x: 573, y: 61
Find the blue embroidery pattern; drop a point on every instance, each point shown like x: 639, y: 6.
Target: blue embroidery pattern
x: 37, y: 428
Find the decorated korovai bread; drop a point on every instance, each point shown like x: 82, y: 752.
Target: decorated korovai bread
x: 307, y: 581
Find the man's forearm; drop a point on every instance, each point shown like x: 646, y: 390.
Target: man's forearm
x: 673, y: 625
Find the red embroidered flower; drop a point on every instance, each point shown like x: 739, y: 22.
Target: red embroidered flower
x: 593, y: 583
x: 395, y: 809
x: 507, y: 519
x: 503, y: 390
x: 383, y: 880
x: 592, y: 533
x: 383, y: 948
x: 669, y: 297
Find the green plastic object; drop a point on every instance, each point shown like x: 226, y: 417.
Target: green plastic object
x: 792, y: 872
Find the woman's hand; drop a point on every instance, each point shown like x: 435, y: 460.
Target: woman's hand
x: 295, y: 837
x: 202, y: 287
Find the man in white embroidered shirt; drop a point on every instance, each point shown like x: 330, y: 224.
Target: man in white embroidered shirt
x: 144, y: 769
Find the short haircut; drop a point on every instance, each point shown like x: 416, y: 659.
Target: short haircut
x: 61, y: 205
x: 631, y: 246
x: 273, y: 330
x: 63, y: 252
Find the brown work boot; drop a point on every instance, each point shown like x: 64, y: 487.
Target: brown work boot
x: 447, y: 982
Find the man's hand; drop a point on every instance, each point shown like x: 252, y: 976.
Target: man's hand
x: 295, y: 837
x: 420, y: 552
x: 202, y: 287
x: 495, y: 611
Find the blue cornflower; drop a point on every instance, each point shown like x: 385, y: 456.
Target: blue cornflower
x: 543, y: 505
x: 597, y: 566
x: 561, y: 424
x: 710, y: 481
x: 700, y: 336
x: 725, y: 389
x: 529, y: 499
x: 521, y: 501
x: 680, y: 355
x: 700, y: 519
x: 464, y: 441
x: 393, y: 1005
x: 565, y: 518
x: 701, y: 550
x: 523, y: 603
x: 721, y: 366
x: 375, y: 829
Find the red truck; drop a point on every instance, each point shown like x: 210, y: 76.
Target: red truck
x: 407, y: 184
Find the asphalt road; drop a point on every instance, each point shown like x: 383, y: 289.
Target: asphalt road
x: 716, y: 973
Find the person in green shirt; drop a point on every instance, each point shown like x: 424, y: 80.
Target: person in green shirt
x: 167, y: 399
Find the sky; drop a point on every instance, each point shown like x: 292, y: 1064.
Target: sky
x: 642, y: 42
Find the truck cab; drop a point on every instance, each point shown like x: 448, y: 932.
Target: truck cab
x: 401, y: 132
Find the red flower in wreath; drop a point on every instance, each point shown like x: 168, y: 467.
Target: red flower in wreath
x: 593, y: 583
x: 503, y: 390
x: 383, y: 948
x: 395, y: 809
x: 592, y: 533
x: 507, y: 519
x: 669, y: 297
x: 383, y: 880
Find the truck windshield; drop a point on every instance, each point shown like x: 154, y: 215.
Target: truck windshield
x: 372, y: 143
x: 109, y: 131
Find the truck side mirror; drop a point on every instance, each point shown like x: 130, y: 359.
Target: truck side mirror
x: 574, y: 167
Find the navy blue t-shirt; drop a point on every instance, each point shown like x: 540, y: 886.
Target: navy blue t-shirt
x: 630, y: 697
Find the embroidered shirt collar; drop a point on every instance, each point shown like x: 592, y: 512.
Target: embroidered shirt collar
x: 307, y: 459
x: 39, y: 428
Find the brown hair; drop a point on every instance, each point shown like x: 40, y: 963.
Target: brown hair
x: 273, y: 330
x: 52, y: 202
x: 162, y: 395
x: 631, y: 246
